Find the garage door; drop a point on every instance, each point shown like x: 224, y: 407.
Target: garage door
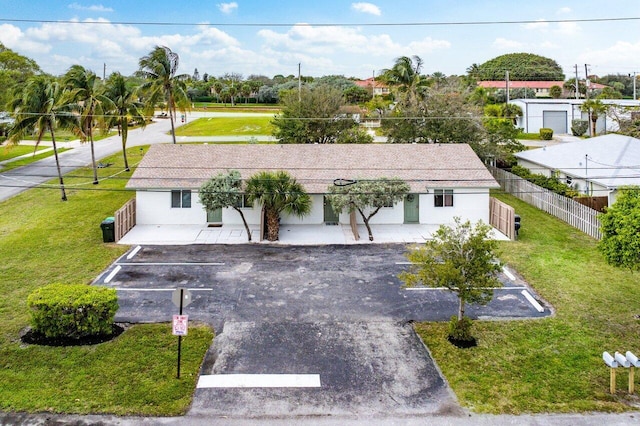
x: 556, y: 120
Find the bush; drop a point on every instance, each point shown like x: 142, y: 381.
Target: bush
x: 72, y: 310
x: 546, y: 134
x: 354, y: 135
x: 460, y: 330
x: 550, y: 183
x: 579, y: 127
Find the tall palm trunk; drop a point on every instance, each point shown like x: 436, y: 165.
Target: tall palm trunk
x: 124, y: 126
x: 171, y: 114
x: 93, y: 152
x: 55, y: 153
x: 273, y: 225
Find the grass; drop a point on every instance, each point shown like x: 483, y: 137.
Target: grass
x: 62, y: 242
x: 8, y: 152
x: 227, y: 126
x: 31, y: 159
x: 553, y: 364
x: 529, y: 136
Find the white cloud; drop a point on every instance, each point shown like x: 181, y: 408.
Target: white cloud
x: 503, y: 43
x: 428, y: 45
x: 568, y: 28
x: 13, y: 37
x: 366, y: 8
x: 227, y: 8
x: 564, y: 10
x: 92, y: 8
x: 538, y: 25
x: 615, y: 56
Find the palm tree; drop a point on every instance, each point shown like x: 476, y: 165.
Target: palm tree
x: 125, y: 109
x: 160, y: 67
x: 595, y: 108
x: 40, y: 107
x: 405, y: 74
x: 277, y: 192
x: 246, y: 91
x: 84, y: 95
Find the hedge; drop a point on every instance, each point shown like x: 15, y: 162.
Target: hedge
x: 72, y: 310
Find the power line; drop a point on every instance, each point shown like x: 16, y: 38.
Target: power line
x: 322, y: 24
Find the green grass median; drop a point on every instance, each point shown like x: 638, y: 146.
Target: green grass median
x: 45, y: 240
x: 227, y: 126
x: 553, y: 364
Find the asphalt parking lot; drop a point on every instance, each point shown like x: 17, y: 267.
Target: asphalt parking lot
x: 335, y: 315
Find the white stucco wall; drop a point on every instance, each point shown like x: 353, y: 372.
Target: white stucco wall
x: 468, y: 203
x: 154, y: 208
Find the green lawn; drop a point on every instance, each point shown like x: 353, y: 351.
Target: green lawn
x: 227, y: 126
x: 211, y: 106
x: 554, y: 364
x: 62, y: 242
x: 30, y: 159
x: 8, y: 152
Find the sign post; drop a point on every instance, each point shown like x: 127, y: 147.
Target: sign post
x: 181, y: 297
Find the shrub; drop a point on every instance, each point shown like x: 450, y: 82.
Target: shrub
x: 550, y: 183
x: 72, y: 310
x: 579, y: 127
x: 546, y: 134
x: 355, y: 135
x: 460, y: 330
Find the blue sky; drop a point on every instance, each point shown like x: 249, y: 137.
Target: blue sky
x: 240, y: 35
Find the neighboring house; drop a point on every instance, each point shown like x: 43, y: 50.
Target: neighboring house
x: 375, y: 87
x: 596, y: 166
x: 557, y: 114
x: 446, y: 180
x: 541, y: 88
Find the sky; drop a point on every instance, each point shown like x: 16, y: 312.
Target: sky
x: 326, y: 37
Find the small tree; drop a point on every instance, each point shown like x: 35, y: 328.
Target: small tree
x: 595, y: 108
x: 555, y: 91
x: 222, y: 191
x: 620, y: 226
x: 460, y: 258
x: 277, y: 192
x: 373, y: 194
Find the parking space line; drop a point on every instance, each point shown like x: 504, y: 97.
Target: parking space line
x: 112, y: 274
x: 259, y: 381
x: 134, y: 252
x: 508, y: 274
x: 171, y: 264
x: 159, y: 289
x: 533, y: 301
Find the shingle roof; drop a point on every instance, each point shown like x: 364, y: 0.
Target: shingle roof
x: 315, y: 166
x: 611, y: 160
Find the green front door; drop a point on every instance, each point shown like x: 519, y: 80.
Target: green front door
x: 214, y: 216
x: 412, y: 208
x: 330, y: 217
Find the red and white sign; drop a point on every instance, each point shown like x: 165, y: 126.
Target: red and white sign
x: 180, y: 325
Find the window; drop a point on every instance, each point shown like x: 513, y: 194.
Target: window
x: 443, y: 198
x: 181, y: 199
x: 244, y: 203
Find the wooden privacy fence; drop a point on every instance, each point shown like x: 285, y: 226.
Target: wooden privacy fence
x: 575, y: 214
x: 125, y: 219
x: 502, y: 217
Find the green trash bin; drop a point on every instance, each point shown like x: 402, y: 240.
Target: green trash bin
x: 108, y: 230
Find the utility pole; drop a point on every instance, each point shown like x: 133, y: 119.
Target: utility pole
x: 587, y: 83
x: 373, y: 85
x: 104, y: 71
x: 506, y: 76
x: 577, y: 83
x: 299, y: 84
x: 634, y: 85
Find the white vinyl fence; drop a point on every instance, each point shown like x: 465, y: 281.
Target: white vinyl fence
x: 575, y: 214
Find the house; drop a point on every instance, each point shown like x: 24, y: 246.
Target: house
x: 542, y: 88
x: 446, y: 181
x: 376, y: 88
x: 557, y: 114
x: 596, y: 166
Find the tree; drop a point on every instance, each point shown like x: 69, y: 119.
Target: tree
x: 222, y: 191
x: 521, y: 67
x: 311, y: 116
x: 15, y: 69
x: 595, y: 108
x: 125, y: 108
x: 40, y: 108
x: 368, y: 194
x: 159, y: 67
x: 405, y: 76
x: 461, y: 259
x: 277, y: 192
x: 555, y: 91
x: 84, y: 93
x: 620, y: 226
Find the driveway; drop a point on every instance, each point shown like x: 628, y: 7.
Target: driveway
x: 333, y: 317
